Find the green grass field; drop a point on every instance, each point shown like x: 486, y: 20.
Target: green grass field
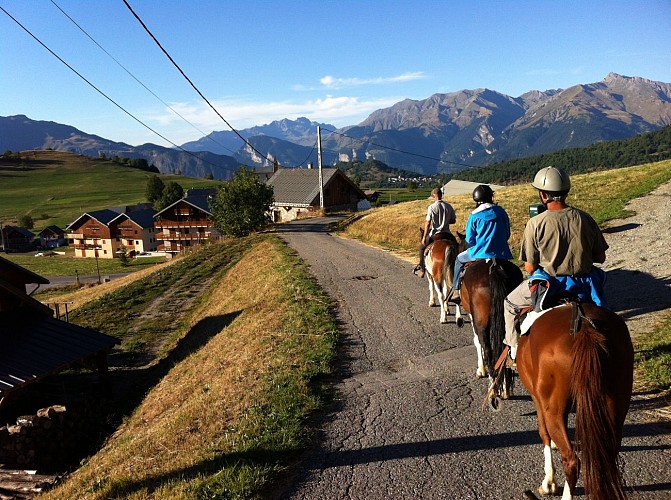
x: 55, y: 187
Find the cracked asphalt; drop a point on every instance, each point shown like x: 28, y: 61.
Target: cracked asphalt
x: 409, y: 422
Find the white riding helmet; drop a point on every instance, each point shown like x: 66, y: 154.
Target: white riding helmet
x: 552, y: 179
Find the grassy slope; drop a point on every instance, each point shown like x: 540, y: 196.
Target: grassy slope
x: 602, y: 194
x: 224, y: 421
x: 60, y: 186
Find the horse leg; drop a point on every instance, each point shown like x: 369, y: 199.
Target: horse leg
x: 570, y: 462
x: 432, y: 296
x: 481, y: 371
x: 442, y: 299
x: 548, y: 486
x: 457, y: 316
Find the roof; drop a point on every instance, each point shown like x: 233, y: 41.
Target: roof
x: 17, y: 229
x: 455, y: 187
x: 52, y: 229
x: 34, y: 346
x: 201, y: 202
x: 300, y: 186
x: 16, y: 274
x: 104, y: 216
x: 143, y: 218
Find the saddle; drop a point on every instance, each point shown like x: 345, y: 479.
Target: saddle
x: 542, y: 302
x: 439, y: 236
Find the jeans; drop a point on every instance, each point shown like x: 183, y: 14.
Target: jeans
x: 459, y: 262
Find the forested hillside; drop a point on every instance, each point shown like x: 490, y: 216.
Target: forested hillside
x: 644, y: 148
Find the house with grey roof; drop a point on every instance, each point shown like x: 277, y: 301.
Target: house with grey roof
x: 297, y: 192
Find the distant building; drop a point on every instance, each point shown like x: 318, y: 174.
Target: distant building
x: 187, y: 222
x: 52, y: 237
x: 296, y: 192
x: 16, y: 239
x: 455, y: 187
x: 107, y: 233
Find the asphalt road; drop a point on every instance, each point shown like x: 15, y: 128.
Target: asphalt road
x: 409, y: 421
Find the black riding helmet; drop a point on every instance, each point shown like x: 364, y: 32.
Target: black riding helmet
x: 483, y: 194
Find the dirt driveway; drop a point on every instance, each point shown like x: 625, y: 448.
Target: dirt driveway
x: 408, y: 421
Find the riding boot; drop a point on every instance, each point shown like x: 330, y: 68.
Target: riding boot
x: 455, y: 297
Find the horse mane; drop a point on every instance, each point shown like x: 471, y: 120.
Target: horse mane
x: 594, y: 423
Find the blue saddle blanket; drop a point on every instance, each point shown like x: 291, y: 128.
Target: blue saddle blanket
x: 588, y: 288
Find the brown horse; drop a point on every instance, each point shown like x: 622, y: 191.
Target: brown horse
x: 484, y: 287
x: 439, y: 262
x: 581, y: 355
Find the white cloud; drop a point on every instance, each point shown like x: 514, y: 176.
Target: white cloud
x: 339, y: 111
x: 329, y: 82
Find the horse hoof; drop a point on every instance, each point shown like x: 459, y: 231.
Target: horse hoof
x: 549, y: 490
x: 479, y: 374
x: 460, y: 322
x: 495, y: 404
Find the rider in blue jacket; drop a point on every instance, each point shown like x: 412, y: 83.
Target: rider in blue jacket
x: 487, y: 233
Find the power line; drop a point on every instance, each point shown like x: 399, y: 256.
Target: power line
x: 191, y: 83
x: 103, y: 94
x: 136, y: 79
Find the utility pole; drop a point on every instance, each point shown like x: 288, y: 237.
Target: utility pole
x: 319, y: 161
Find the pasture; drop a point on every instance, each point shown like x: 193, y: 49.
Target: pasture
x: 55, y: 187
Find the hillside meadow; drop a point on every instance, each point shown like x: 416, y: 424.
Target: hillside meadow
x: 228, y: 400
x: 603, y: 194
x: 56, y: 187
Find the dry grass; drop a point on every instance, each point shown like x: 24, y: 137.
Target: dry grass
x: 602, y: 194
x: 88, y: 292
x: 191, y: 426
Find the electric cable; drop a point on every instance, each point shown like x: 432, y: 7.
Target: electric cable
x: 105, y: 95
x: 203, y: 134
x: 191, y: 83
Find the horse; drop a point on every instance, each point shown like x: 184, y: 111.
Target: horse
x: 484, y: 287
x: 439, y: 262
x: 582, y: 355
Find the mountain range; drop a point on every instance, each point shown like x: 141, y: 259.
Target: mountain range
x: 443, y: 133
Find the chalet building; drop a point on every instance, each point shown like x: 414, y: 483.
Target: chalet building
x: 106, y: 233
x: 135, y: 232
x: 34, y: 343
x: 187, y: 222
x: 16, y: 239
x: 297, y: 192
x: 52, y: 237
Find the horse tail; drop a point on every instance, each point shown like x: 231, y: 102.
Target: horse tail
x: 451, y: 252
x: 499, y: 286
x: 595, y: 423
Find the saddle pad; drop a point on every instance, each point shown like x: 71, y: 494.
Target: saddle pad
x: 530, y: 318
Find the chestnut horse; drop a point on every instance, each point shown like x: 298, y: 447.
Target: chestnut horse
x: 439, y: 263
x: 484, y: 288
x: 580, y: 354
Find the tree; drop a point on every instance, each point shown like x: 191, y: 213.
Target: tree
x: 26, y: 221
x: 154, y: 189
x: 412, y: 185
x: 172, y: 192
x: 242, y: 205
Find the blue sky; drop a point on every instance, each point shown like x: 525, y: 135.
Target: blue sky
x: 330, y: 61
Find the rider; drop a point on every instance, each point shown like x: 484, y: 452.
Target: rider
x: 487, y: 233
x: 561, y: 246
x: 439, y: 216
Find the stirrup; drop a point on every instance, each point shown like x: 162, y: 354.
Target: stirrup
x: 453, y: 299
x: 418, y: 271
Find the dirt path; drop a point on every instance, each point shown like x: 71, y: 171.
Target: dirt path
x: 639, y: 271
